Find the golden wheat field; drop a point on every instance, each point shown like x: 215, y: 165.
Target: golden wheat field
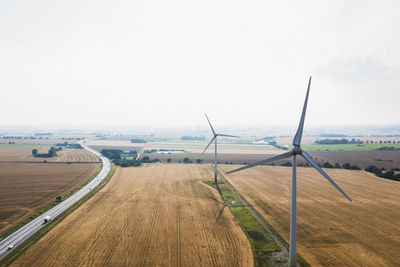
x: 154, y: 215
x: 331, y: 230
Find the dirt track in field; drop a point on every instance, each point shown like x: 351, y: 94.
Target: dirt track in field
x: 331, y: 231
x: 155, y: 215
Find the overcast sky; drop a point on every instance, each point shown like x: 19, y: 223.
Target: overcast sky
x: 167, y: 62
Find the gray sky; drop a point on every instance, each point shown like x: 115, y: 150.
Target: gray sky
x: 166, y: 62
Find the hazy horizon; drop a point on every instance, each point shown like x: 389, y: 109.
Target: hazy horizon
x: 199, y: 130
x: 165, y: 63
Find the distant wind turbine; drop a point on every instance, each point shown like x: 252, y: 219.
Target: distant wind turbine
x: 215, y: 146
x: 293, y: 153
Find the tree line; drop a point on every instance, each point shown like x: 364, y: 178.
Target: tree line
x: 115, y: 156
x: 381, y: 172
x: 342, y: 141
x: 52, y: 152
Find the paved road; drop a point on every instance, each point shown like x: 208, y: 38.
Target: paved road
x: 22, y: 234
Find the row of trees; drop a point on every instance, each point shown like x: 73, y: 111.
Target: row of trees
x: 326, y: 164
x: 380, y: 172
x: 137, y: 140
x: 387, y: 148
x: 115, y: 156
x: 52, y: 153
x: 127, y: 162
x: 344, y: 141
x: 146, y: 159
x: 67, y: 145
x: 196, y: 138
x: 338, y: 141
x: 346, y: 166
x: 24, y: 137
x: 381, y: 142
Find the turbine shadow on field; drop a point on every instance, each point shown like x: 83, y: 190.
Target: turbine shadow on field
x: 221, y: 210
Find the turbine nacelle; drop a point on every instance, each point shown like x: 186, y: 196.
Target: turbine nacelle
x: 297, y: 150
x: 215, y: 135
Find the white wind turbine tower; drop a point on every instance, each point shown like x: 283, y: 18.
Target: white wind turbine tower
x: 215, y: 146
x: 293, y: 153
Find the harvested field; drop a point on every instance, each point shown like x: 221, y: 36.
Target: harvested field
x: 72, y: 155
x: 209, y: 158
x: 223, y: 148
x: 227, y: 153
x: 331, y: 231
x: 155, y: 215
x: 124, y: 145
x: 24, y: 153
x: 381, y: 158
x: 20, y: 152
x: 25, y: 187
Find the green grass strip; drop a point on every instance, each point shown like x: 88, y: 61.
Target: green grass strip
x: 262, y: 245
x: 261, y: 257
x: 18, y: 251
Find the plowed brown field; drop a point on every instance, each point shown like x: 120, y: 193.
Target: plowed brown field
x: 331, y: 231
x: 155, y: 215
x: 24, y: 187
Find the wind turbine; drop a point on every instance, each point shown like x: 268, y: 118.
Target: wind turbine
x: 293, y: 153
x: 215, y: 146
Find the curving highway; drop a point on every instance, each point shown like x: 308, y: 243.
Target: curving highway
x: 18, y: 237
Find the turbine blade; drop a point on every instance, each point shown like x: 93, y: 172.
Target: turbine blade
x: 315, y: 165
x: 281, y: 156
x: 212, y: 139
x: 227, y: 135
x: 299, y: 133
x: 212, y: 129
